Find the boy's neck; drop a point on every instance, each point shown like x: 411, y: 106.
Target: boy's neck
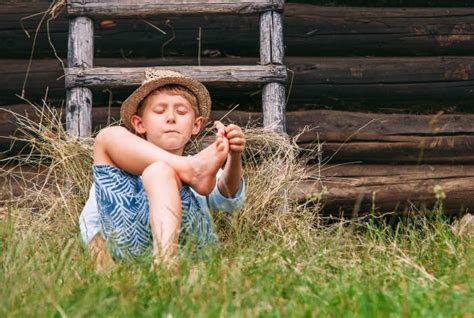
x: 178, y: 152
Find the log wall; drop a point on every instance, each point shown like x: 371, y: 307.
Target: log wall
x: 388, y: 91
x: 309, y: 30
x: 345, y: 136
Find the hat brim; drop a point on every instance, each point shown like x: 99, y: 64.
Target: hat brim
x: 130, y: 105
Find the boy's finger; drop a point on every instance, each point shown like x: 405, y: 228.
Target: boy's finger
x: 220, y: 127
x: 234, y: 133
x: 237, y: 141
x: 232, y: 127
x: 236, y: 148
x: 218, y: 124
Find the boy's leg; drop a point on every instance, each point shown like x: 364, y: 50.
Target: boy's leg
x: 118, y: 147
x: 162, y: 186
x: 99, y: 254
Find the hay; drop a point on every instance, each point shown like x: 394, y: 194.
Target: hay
x: 273, y: 166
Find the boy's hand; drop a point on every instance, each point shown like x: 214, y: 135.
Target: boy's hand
x: 236, y: 139
x: 234, y: 134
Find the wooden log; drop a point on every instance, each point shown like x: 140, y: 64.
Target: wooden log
x: 387, y: 138
x: 133, y: 76
x: 309, y: 31
x: 379, y: 31
x: 344, y: 136
x: 112, y: 8
x: 359, y: 189
x: 352, y: 190
x: 80, y: 55
x: 341, y: 83
x: 18, y: 180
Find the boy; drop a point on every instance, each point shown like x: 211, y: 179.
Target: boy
x: 147, y: 197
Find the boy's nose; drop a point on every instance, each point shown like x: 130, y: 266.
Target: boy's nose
x: 170, y: 118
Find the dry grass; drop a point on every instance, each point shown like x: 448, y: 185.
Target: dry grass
x: 63, y: 164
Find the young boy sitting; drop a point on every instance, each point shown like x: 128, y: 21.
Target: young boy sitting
x: 146, y: 196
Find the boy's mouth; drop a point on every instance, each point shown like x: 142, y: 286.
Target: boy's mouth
x: 171, y: 131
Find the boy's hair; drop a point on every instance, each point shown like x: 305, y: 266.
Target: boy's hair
x: 172, y: 89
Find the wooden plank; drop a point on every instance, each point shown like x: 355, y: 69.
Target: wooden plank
x: 122, y: 77
x: 358, y: 189
x: 112, y: 8
x: 80, y: 55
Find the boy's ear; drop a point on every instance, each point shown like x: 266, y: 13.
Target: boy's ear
x: 197, y: 125
x: 137, y: 124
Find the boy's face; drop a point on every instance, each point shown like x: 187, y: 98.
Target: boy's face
x: 168, y: 121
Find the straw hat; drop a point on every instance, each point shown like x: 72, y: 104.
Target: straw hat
x: 155, y: 78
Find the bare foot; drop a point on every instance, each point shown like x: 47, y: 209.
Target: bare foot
x: 205, y: 164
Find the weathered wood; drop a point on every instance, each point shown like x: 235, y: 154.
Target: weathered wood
x: 309, y: 31
x: 80, y: 55
x: 380, y: 31
x: 355, y: 189
x: 352, y: 188
x: 419, y: 84
x: 123, y: 77
x: 273, y: 106
x: 16, y: 180
x: 344, y: 136
x: 388, y: 138
x: 271, y: 53
x: 112, y: 8
x: 78, y: 109
x: 278, y: 47
x: 266, y: 38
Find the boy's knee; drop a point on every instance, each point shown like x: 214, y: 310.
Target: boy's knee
x: 108, y: 132
x: 158, y: 169
x: 105, y: 135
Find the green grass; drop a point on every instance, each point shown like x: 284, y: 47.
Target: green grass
x: 366, y: 267
x: 269, y: 264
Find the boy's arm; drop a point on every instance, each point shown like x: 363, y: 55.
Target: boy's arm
x: 229, y: 183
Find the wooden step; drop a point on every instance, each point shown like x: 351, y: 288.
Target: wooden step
x: 129, y: 8
x: 133, y: 76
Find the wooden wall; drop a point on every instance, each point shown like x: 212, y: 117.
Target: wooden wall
x: 389, y: 89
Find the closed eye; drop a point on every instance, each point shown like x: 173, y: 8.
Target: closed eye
x: 182, y: 111
x: 159, y: 110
